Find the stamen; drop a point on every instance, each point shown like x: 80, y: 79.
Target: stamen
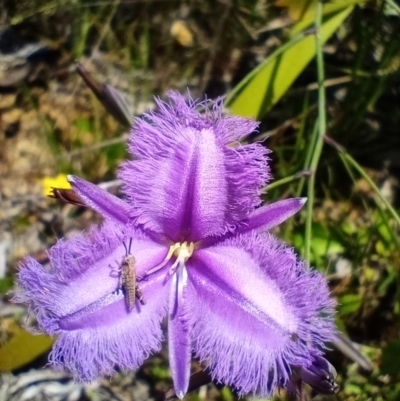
x: 178, y: 270
x: 182, y: 251
x: 170, y: 253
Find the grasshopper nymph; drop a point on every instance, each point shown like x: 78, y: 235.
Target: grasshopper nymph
x: 128, y: 280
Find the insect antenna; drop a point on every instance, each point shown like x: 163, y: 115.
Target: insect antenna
x: 126, y: 249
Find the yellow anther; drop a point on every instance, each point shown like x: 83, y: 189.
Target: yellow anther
x: 182, y: 250
x: 172, y: 251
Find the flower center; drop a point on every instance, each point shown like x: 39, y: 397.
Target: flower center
x: 182, y: 251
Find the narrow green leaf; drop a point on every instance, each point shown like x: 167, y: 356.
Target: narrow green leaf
x: 328, y: 10
x: 297, y: 9
x: 264, y: 86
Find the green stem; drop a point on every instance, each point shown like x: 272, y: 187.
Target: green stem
x: 300, y: 175
x: 307, y: 162
x: 321, y: 129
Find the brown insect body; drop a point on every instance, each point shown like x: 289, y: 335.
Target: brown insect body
x: 128, y: 281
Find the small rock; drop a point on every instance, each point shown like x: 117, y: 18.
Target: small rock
x: 11, y: 117
x: 7, y: 101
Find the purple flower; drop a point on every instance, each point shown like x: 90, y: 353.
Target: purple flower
x: 235, y: 297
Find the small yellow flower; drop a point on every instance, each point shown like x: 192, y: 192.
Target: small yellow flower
x: 60, y: 181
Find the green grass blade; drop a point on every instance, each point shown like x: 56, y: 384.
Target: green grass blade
x: 320, y: 132
x: 348, y: 160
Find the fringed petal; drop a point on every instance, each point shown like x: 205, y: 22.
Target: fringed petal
x: 80, y: 298
x: 255, y: 312
x: 93, y: 344
x: 100, y: 200
x: 189, y: 180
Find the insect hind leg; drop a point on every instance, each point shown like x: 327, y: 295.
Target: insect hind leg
x: 139, y: 295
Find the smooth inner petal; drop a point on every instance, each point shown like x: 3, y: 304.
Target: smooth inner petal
x: 240, y: 344
x: 269, y: 216
x: 262, y: 219
x: 103, y: 278
x: 112, y: 309
x: 100, y: 200
x: 240, y: 277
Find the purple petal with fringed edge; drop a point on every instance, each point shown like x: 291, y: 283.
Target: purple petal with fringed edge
x: 180, y: 351
x: 254, y: 311
x: 93, y: 344
x: 101, y: 201
x: 79, y: 298
x: 192, y: 178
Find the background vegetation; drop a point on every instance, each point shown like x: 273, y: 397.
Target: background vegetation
x: 324, y: 81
